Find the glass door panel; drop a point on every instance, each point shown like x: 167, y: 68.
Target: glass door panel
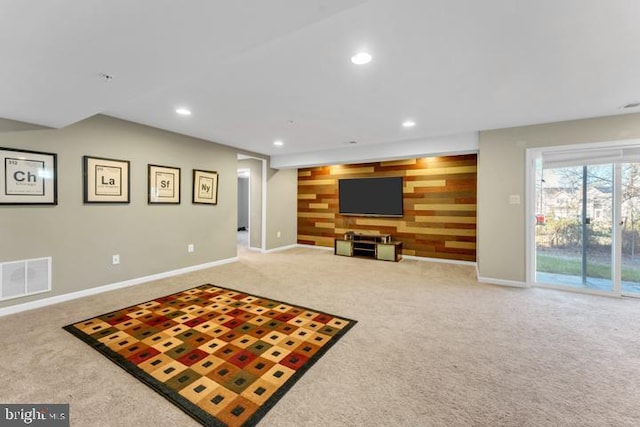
x: 574, y: 227
x: 630, y: 224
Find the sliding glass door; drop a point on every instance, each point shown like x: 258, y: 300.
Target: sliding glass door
x: 574, y: 226
x: 630, y: 228
x: 586, y: 233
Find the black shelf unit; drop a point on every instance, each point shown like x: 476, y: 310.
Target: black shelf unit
x: 368, y: 245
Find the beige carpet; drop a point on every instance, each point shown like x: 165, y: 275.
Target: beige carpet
x: 432, y: 348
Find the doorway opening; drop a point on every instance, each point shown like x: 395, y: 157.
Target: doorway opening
x: 244, y: 201
x: 252, y: 187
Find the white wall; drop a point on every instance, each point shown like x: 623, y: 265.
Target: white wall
x: 364, y: 153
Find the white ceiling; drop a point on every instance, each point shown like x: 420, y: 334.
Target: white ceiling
x: 254, y: 71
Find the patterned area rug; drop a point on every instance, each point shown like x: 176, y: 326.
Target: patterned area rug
x: 223, y: 356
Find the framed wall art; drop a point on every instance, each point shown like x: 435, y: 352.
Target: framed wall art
x: 164, y: 184
x: 205, y: 187
x: 28, y: 177
x: 106, y: 180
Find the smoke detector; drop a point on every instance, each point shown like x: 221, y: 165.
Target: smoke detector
x: 105, y: 77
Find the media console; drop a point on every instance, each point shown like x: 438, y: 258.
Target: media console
x: 378, y: 246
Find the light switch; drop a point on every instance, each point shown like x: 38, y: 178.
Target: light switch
x: 514, y: 199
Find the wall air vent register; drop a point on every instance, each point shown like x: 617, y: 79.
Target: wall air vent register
x: 25, y: 277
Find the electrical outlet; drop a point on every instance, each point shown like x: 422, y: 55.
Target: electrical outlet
x: 115, y: 260
x: 190, y: 248
x: 278, y: 234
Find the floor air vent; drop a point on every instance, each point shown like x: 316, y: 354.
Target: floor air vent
x: 26, y: 277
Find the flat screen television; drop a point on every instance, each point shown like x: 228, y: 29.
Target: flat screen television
x: 371, y: 196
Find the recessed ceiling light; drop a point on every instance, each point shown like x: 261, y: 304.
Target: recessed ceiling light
x: 183, y: 111
x: 408, y: 123
x: 361, y: 58
x: 278, y: 143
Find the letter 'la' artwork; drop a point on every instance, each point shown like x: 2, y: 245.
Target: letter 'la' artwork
x: 108, y: 181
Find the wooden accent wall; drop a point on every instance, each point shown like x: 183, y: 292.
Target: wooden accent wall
x: 439, y: 205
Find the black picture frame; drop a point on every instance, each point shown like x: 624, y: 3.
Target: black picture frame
x: 163, y: 184
x: 28, y: 177
x: 205, y: 187
x: 106, y: 180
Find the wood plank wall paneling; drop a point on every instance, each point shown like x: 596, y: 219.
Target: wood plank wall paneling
x: 439, y: 205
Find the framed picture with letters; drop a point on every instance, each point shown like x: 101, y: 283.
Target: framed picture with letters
x: 106, y: 180
x: 164, y: 184
x: 205, y: 187
x: 28, y: 177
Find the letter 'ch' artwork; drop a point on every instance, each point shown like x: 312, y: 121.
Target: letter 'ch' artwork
x: 27, y: 177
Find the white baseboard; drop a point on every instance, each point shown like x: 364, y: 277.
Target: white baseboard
x: 442, y: 260
x: 278, y: 249
x: 324, y: 248
x: 106, y: 288
x: 502, y: 282
x: 411, y: 257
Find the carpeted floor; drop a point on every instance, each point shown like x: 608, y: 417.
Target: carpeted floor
x: 432, y: 348
x: 223, y: 356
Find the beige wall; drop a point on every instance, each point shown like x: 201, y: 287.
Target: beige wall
x: 150, y: 239
x: 282, y: 207
x: 153, y: 238
x: 501, y: 173
x: 7, y: 125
